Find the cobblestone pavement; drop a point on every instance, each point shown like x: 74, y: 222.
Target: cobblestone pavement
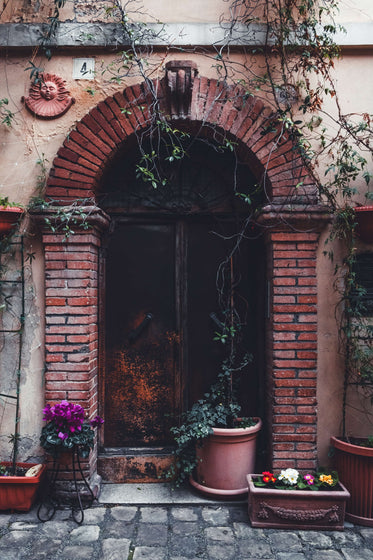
x: 171, y: 533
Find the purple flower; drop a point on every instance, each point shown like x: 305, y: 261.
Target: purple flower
x: 96, y: 422
x: 67, y: 422
x: 48, y: 413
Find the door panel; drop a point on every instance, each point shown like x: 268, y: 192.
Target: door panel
x: 209, y: 245
x: 141, y: 341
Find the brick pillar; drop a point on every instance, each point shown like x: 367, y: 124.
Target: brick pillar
x: 294, y: 349
x: 71, y: 317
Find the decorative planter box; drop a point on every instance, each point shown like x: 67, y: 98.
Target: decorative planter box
x: 19, y: 492
x: 297, y: 509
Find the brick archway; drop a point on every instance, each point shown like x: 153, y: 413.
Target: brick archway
x: 272, y: 153
x: 72, y: 269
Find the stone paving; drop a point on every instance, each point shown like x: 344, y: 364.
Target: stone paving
x: 216, y: 532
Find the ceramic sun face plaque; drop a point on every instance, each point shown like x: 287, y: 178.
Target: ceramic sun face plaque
x: 48, y: 98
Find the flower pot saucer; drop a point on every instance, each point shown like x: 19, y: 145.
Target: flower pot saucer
x: 237, y: 493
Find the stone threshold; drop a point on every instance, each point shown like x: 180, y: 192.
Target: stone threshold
x: 157, y: 493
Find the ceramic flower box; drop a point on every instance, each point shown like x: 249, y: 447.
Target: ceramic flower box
x: 18, y: 493
x: 296, y: 509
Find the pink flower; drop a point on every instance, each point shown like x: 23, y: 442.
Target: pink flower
x: 309, y: 479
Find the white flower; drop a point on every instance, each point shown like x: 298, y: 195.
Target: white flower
x: 289, y: 476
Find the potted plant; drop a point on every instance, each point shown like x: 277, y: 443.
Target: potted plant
x: 66, y: 429
x: 290, y: 500
x: 67, y: 436
x: 19, y: 485
x: 215, y: 448
x: 9, y: 216
x: 353, y: 456
x: 352, y: 453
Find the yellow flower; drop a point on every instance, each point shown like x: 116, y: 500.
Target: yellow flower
x: 326, y: 478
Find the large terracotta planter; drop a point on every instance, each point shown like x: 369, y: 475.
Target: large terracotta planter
x: 355, y: 468
x: 224, y: 460
x: 9, y: 216
x: 297, y: 509
x: 18, y: 493
x: 364, y: 219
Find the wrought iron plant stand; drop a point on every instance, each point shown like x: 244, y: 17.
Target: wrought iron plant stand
x: 52, y: 500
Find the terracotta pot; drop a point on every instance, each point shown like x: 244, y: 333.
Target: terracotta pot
x: 9, y: 216
x: 225, y: 458
x: 354, y: 464
x: 297, y: 509
x: 364, y: 219
x: 19, y: 492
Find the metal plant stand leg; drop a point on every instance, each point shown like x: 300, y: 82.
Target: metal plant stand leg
x: 51, y: 501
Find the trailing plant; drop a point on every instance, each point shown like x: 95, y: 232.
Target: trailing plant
x: 64, y: 219
x: 356, y: 335
x: 6, y: 115
x: 219, y: 408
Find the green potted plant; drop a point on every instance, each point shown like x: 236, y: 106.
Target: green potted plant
x: 215, y: 447
x: 352, y: 453
x: 67, y: 429
x: 291, y: 500
x: 67, y: 436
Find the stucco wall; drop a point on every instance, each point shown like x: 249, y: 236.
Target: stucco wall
x: 31, y: 139
x: 164, y: 11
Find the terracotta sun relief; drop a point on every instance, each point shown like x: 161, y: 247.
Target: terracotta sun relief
x: 49, y: 98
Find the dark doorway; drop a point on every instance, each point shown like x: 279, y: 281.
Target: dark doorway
x: 168, y: 255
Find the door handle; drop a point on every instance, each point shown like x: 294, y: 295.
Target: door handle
x: 133, y: 335
x: 217, y: 322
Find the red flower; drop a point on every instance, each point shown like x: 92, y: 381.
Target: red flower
x: 268, y: 477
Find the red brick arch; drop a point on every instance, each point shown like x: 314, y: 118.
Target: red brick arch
x: 72, y: 264
x: 79, y: 164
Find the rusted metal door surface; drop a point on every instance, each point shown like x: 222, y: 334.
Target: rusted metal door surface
x: 161, y: 311
x: 141, y: 343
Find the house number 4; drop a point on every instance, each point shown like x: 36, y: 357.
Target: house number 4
x: 83, y: 68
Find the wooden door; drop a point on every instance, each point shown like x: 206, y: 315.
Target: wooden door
x: 162, y: 308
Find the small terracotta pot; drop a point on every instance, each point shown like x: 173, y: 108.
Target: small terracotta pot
x: 224, y: 460
x: 9, y: 216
